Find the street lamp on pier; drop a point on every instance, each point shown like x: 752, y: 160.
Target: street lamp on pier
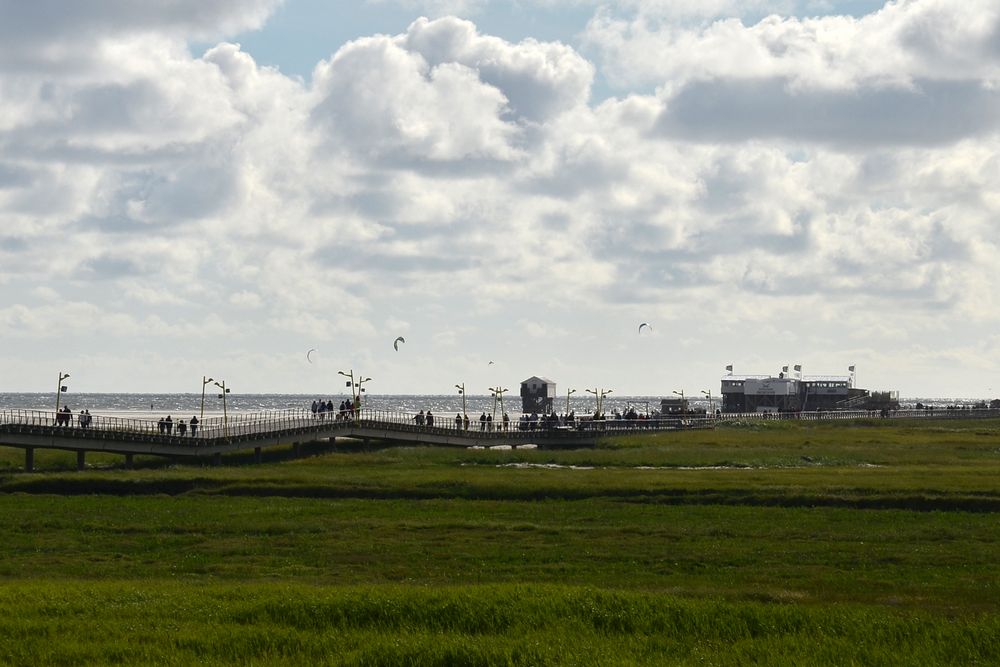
x: 357, y: 388
x: 204, y: 381
x: 683, y: 400
x: 225, y: 407
x: 711, y: 402
x: 361, y: 390
x: 599, y: 395
x: 568, y: 392
x: 498, y: 392
x: 461, y: 391
x: 59, y: 390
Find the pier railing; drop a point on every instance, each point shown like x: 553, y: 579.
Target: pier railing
x: 245, y: 427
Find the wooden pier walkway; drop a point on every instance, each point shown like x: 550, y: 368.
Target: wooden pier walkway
x: 214, y: 437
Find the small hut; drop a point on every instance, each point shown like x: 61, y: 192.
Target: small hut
x: 537, y: 395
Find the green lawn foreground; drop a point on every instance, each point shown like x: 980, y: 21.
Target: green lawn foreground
x: 867, y: 543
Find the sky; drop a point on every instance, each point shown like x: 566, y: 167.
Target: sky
x: 196, y: 188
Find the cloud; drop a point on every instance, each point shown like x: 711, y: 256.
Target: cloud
x: 84, y: 20
x: 442, y: 91
x: 824, y: 182
x: 919, y: 72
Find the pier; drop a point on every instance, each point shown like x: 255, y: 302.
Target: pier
x: 217, y: 436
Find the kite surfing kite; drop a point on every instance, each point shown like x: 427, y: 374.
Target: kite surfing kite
x: 395, y: 343
x: 309, y: 354
x: 645, y: 324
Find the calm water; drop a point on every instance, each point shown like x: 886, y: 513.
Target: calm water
x: 158, y: 405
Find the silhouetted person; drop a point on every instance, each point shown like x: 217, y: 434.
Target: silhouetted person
x: 169, y: 423
x: 182, y: 428
x: 482, y: 422
x: 194, y: 426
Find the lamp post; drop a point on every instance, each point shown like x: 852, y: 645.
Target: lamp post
x: 683, y: 400
x: 350, y: 377
x: 599, y: 395
x: 204, y: 381
x: 225, y: 407
x: 461, y: 390
x: 568, y: 392
x: 361, y: 390
x: 359, y: 385
x: 711, y: 403
x: 498, y: 392
x: 59, y: 390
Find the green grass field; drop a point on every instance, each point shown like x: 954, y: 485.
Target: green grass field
x: 780, y: 543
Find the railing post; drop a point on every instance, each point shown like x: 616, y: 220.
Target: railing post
x: 29, y: 459
x: 81, y: 459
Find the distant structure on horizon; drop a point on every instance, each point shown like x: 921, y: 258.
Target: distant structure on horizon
x: 794, y: 392
x: 537, y: 395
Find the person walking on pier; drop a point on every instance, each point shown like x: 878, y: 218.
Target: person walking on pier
x: 482, y: 422
x: 194, y: 426
x: 430, y: 418
x: 315, y: 408
x: 458, y: 422
x: 168, y: 423
x: 182, y: 428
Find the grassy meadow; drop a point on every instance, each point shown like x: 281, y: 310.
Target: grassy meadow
x: 774, y: 543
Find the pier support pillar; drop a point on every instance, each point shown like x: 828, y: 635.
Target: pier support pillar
x: 128, y: 461
x: 256, y: 455
x: 29, y: 459
x: 81, y: 459
x: 297, y: 449
x: 217, y: 459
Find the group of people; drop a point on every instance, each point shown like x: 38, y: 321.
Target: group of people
x: 462, y: 422
x: 166, y: 425
x: 424, y: 419
x: 321, y: 408
x: 64, y: 416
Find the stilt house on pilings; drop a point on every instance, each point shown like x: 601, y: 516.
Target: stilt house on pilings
x: 538, y: 395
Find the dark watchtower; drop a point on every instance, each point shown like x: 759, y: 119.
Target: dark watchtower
x: 537, y: 395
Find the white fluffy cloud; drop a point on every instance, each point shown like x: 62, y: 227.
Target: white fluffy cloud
x: 816, y: 187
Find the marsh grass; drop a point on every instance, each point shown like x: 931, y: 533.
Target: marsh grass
x: 166, y: 623
x: 784, y: 543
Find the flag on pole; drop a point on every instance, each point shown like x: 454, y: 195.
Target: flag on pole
x: 798, y: 368
x: 850, y: 368
x: 729, y: 368
x: 784, y: 369
x: 348, y: 383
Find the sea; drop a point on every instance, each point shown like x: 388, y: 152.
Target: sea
x: 143, y: 406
